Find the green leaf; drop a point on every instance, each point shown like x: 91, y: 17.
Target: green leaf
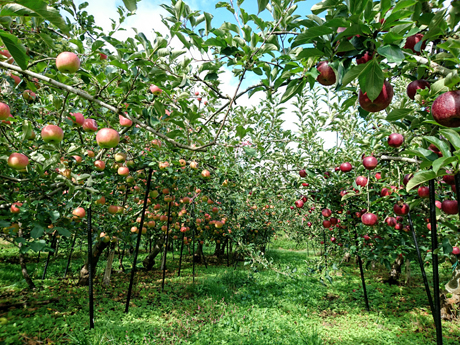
x: 311, y: 33
x: 37, y: 246
x: 293, y: 88
x: 309, y: 52
x: 250, y: 151
x: 208, y: 17
x: 397, y: 114
x: 63, y: 232
x: 446, y: 246
x: 419, y: 178
x: 452, y: 79
x: 354, y: 73
x: 441, y: 145
x: 392, y: 53
x: 374, y: 80
x: 240, y: 131
x: 131, y: 5
x: 41, y: 8
x: 452, y: 136
x: 324, y: 5
x: 16, y: 49
x: 262, y: 4
x: 37, y: 231
x: 441, y: 162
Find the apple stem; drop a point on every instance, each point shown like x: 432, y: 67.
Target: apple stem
x: 434, y: 246
x: 139, y: 235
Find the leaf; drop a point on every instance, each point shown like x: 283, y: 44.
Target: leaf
x: 37, y: 231
x: 397, y: 114
x: 452, y: 136
x: 441, y: 162
x: 262, y: 4
x: 313, y: 32
x: 293, y: 88
x: 240, y: 131
x: 37, y: 246
x: 353, y: 73
x: 41, y: 8
x: 441, y: 145
x: 16, y: 49
x: 324, y: 5
x: 446, y: 246
x: 419, y: 178
x: 309, y: 52
x: 208, y: 17
x: 392, y: 53
x: 250, y: 151
x: 131, y: 5
x: 63, y: 232
x: 374, y: 80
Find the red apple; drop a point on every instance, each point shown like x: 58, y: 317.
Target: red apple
x: 361, y: 181
x: 107, y: 138
x: 15, y: 208
x: 398, y: 226
x: 302, y: 173
x: 378, y: 176
x: 407, y: 178
x: 401, y: 210
x: 345, y: 167
x: 333, y: 239
x: 326, y: 212
x: 16, y: 79
x: 364, y: 58
x: 155, y: 90
x: 369, y: 219
x: 7, y: 54
x: 123, y: 171
x: 100, y: 201
x: 391, y: 221
x: 18, y: 161
x: 100, y: 165
x: 309, y: 224
x: 446, y: 109
x: 416, y: 85
x: 370, y: 162
x: 434, y: 148
x: 450, y: 206
x: 395, y: 140
x: 52, y: 134
x: 385, y: 192
x: 29, y: 96
x: 382, y: 101
x: 89, y: 125
x: 77, y: 119
x: 103, y: 56
x: 411, y: 41
x: 206, y: 174
x: 79, y: 212
x: 456, y: 250
x: 327, y: 223
x: 4, y: 111
x: 67, y: 62
x: 299, y: 203
x: 124, y: 122
x: 326, y: 75
x: 423, y: 192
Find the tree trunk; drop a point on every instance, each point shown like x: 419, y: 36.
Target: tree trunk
x: 149, y: 261
x: 199, y: 253
x: 108, y: 267
x: 408, y: 273
x: 450, y: 306
x: 22, y: 262
x: 98, y: 248
x: 395, y: 271
x: 217, y: 250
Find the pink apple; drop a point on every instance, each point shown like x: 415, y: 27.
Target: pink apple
x: 67, y: 62
x: 123, y: 171
x: 18, y: 161
x: 205, y: 174
x: 29, y: 96
x: 107, y: 138
x: 7, y: 54
x: 100, y: 165
x: 155, y: 90
x: 103, y: 56
x: 77, y: 119
x: 4, y: 111
x: 79, y: 212
x: 446, y: 109
x: 90, y: 125
x: 16, y: 79
x: 345, y: 167
x: 52, y: 134
x: 370, y: 162
x: 326, y: 75
x: 382, y: 101
x: 395, y: 140
x: 369, y: 219
x: 124, y: 122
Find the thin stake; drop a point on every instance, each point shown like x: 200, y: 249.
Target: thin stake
x: 363, y: 281
x: 53, y: 241
x: 70, y: 254
x: 180, y: 257
x: 422, y: 268
x: 193, y: 254
x: 434, y: 246
x: 228, y: 256
x: 166, y: 249
x: 90, y: 270
x: 139, y: 235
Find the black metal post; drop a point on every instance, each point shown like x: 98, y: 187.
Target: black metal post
x: 180, y: 257
x: 166, y: 249
x: 139, y: 235
x: 53, y: 241
x: 228, y: 256
x: 422, y: 268
x: 325, y: 247
x: 90, y: 270
x: 193, y: 254
x: 457, y: 189
x: 70, y: 254
x: 434, y: 246
x: 204, y: 258
x: 363, y: 281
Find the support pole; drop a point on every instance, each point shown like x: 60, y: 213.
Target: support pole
x: 180, y: 257
x: 434, y: 246
x: 166, y: 249
x: 139, y: 235
x: 70, y: 254
x: 90, y: 270
x: 363, y: 281
x: 53, y: 242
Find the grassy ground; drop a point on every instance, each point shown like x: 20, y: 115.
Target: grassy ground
x: 246, y: 305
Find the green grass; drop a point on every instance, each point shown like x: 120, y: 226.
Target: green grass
x: 246, y: 305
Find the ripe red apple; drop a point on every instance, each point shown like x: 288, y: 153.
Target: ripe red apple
x: 326, y: 212
x: 16, y: 79
x: 456, y: 250
x: 4, y: 111
x: 124, y: 122
x: 15, y: 207
x: 395, y: 140
x: 67, y: 62
x: 446, y: 109
x: 407, y: 178
x: 155, y: 90
x: 107, y: 138
x: 299, y: 203
x: 370, y: 162
x: 450, y: 206
x: 305, y: 184
x: 382, y: 101
x: 416, y: 85
x: 364, y: 58
x: 52, y: 134
x: 327, y: 223
x: 123, y: 171
x: 423, y: 192
x: 103, y: 56
x: 378, y: 176
x: 77, y: 119
x: 322, y: 242
x: 326, y: 75
x: 29, y: 96
x: 302, y: 173
x: 385, y: 192
x: 398, y: 226
x: 89, y: 125
x: 411, y: 41
x: 366, y: 237
x: 369, y: 219
x: 434, y: 148
x: 361, y: 181
x: 399, y: 219
x: 100, y: 165
x: 345, y: 167
x: 206, y: 174
x: 333, y: 239
x: 391, y: 221
x: 79, y: 212
x: 309, y: 224
x: 18, y: 161
x: 401, y: 210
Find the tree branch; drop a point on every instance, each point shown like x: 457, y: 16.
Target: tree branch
x: 401, y: 159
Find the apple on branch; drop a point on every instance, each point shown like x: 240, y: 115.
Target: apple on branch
x: 67, y: 62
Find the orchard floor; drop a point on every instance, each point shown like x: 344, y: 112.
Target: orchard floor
x: 224, y: 306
